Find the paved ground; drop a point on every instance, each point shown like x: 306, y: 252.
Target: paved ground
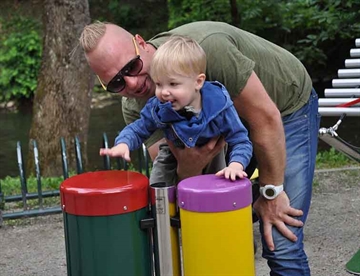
x: 332, y: 234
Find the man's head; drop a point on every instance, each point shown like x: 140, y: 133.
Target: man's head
x: 178, y: 70
x: 119, y: 58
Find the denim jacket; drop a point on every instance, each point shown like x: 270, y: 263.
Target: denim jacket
x: 217, y: 117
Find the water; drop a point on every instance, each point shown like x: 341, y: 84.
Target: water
x: 15, y: 127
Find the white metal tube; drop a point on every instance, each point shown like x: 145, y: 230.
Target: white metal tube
x: 345, y: 82
x: 355, y: 52
x: 352, y: 63
x: 338, y: 111
x: 357, y: 42
x: 349, y: 73
x: 161, y: 195
x: 336, y: 101
x: 342, y: 92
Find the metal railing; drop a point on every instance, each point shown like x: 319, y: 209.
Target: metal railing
x: 143, y: 167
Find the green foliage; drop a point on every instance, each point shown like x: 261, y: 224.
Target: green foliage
x: 185, y: 11
x: 20, y: 58
x: 12, y: 185
x: 125, y: 15
x: 333, y: 159
x: 313, y: 30
x: 316, y: 31
x: 254, y: 16
x: 261, y: 17
x: 146, y: 17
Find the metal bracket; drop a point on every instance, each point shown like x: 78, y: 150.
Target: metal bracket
x: 147, y: 223
x: 175, y: 222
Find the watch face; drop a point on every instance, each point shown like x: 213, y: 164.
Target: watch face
x: 270, y: 192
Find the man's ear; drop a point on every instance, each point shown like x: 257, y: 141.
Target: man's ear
x: 200, y: 79
x: 140, y: 41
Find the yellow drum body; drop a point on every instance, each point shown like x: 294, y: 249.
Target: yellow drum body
x: 216, y: 226
x: 174, y: 242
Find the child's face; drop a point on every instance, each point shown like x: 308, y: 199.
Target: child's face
x: 180, y: 90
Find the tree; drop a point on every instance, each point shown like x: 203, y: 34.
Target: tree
x: 235, y: 18
x: 63, y: 95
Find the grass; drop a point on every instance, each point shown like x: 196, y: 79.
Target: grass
x: 12, y: 186
x: 333, y: 159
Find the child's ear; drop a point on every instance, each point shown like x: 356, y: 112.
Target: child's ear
x: 200, y: 79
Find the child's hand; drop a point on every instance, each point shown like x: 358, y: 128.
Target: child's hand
x: 232, y: 171
x: 120, y: 150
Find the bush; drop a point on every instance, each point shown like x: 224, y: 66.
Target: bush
x: 20, y: 58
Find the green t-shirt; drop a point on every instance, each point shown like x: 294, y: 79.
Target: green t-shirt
x: 232, y: 54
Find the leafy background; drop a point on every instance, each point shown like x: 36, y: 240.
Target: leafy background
x: 319, y: 32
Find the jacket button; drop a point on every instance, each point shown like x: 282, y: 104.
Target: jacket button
x: 190, y: 139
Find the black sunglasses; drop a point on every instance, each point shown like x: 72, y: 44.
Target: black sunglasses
x: 132, y: 68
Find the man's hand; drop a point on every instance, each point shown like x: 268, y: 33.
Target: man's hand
x: 120, y: 150
x: 278, y: 213
x: 191, y: 161
x: 233, y: 171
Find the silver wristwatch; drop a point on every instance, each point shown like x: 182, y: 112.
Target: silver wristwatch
x: 271, y: 191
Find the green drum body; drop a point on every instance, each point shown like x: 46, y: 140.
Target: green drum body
x: 102, y: 213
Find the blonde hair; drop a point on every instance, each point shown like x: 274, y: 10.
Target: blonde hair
x: 179, y: 55
x: 91, y: 35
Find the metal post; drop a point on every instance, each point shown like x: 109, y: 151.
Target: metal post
x: 45, y: 194
x: 38, y: 175
x: 352, y: 63
x: 349, y: 73
x: 165, y: 237
x: 336, y: 101
x: 2, y: 199
x: 79, y: 165
x: 20, y: 159
x: 107, y: 165
x: 338, y: 83
x: 342, y: 92
x: 146, y: 160
x: 357, y: 42
x: 337, y: 111
x: 64, y: 158
x: 355, y: 52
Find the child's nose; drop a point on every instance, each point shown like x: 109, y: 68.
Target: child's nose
x: 165, y: 92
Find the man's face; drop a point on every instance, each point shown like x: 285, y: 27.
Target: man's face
x: 122, y: 65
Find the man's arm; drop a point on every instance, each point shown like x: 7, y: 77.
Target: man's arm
x: 192, y: 161
x: 268, y: 137
x: 266, y: 130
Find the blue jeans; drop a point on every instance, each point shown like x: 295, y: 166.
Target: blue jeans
x: 301, y: 132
